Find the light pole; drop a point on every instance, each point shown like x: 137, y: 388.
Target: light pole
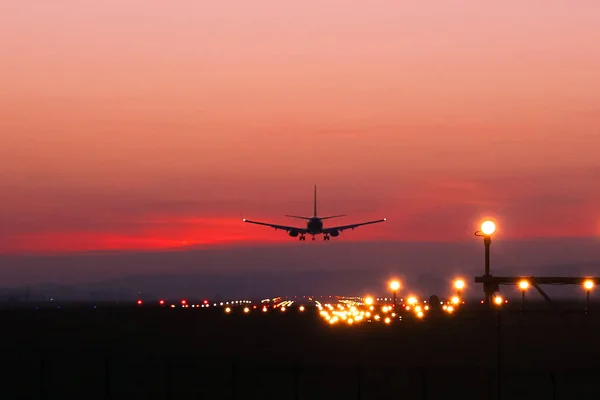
x: 487, y: 230
x: 588, y: 285
x: 459, y: 285
x: 523, y: 285
x: 395, y: 285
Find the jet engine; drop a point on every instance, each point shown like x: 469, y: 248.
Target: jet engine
x: 335, y: 233
x: 293, y: 233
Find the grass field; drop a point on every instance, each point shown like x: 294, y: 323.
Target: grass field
x: 151, y: 352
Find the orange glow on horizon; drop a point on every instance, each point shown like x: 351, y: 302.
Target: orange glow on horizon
x: 106, y: 147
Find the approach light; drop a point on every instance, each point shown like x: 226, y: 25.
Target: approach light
x: 455, y: 300
x: 394, y: 285
x: 301, y: 308
x: 588, y: 284
x: 523, y: 285
x: 246, y: 310
x: 459, y: 284
x: 498, y: 300
x: 162, y: 302
x: 139, y: 302
x: 369, y: 301
x: 412, y: 300
x: 488, y: 228
x: 228, y: 310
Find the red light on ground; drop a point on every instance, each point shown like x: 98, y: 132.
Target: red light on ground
x: 162, y: 302
x: 183, y: 302
x: 139, y: 302
x: 481, y: 301
x: 205, y: 301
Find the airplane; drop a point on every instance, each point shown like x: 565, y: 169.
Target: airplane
x: 314, y: 225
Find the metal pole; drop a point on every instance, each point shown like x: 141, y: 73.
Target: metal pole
x: 499, y: 372
x: 553, y: 381
x: 107, y: 377
x: 487, y: 240
x: 587, y: 306
x: 233, y: 379
x: 522, y: 307
x: 42, y: 377
x: 359, y: 382
x: 296, y: 382
x: 395, y: 301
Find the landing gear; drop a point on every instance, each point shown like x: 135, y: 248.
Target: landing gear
x: 326, y: 237
x: 302, y: 237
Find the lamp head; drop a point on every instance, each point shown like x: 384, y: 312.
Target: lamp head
x: 588, y: 284
x: 488, y: 228
x: 459, y: 284
x: 523, y: 285
x: 394, y: 285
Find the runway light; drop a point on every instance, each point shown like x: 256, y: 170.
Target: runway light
x: 387, y: 320
x: 246, y: 310
x: 283, y: 308
x: 368, y: 301
x: 228, y: 310
x: 455, y: 300
x: 301, y: 308
x: 162, y: 302
x: 459, y: 284
x: 420, y: 314
x: 588, y: 284
x: 139, y: 302
x: 265, y: 309
x: 394, y: 285
x: 183, y: 302
x: 498, y: 300
x: 523, y: 285
x: 488, y: 227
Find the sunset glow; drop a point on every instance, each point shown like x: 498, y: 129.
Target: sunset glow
x: 146, y: 125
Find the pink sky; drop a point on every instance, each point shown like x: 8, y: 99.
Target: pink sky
x: 137, y: 124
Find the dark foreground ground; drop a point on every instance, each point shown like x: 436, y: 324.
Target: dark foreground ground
x: 162, y: 353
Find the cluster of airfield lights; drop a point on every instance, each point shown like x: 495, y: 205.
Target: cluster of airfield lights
x: 367, y: 309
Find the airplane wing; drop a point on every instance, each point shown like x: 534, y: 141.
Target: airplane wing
x: 344, y: 227
x: 282, y: 227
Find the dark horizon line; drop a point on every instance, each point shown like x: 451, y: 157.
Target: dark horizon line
x: 258, y: 245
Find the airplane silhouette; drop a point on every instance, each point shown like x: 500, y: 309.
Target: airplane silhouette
x: 314, y: 225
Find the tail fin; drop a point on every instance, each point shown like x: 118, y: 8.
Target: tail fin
x: 315, y: 211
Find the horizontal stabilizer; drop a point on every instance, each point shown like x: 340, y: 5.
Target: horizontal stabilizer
x: 295, y: 216
x: 333, y: 216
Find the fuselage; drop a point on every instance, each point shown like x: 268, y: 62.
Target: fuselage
x: 314, y: 226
